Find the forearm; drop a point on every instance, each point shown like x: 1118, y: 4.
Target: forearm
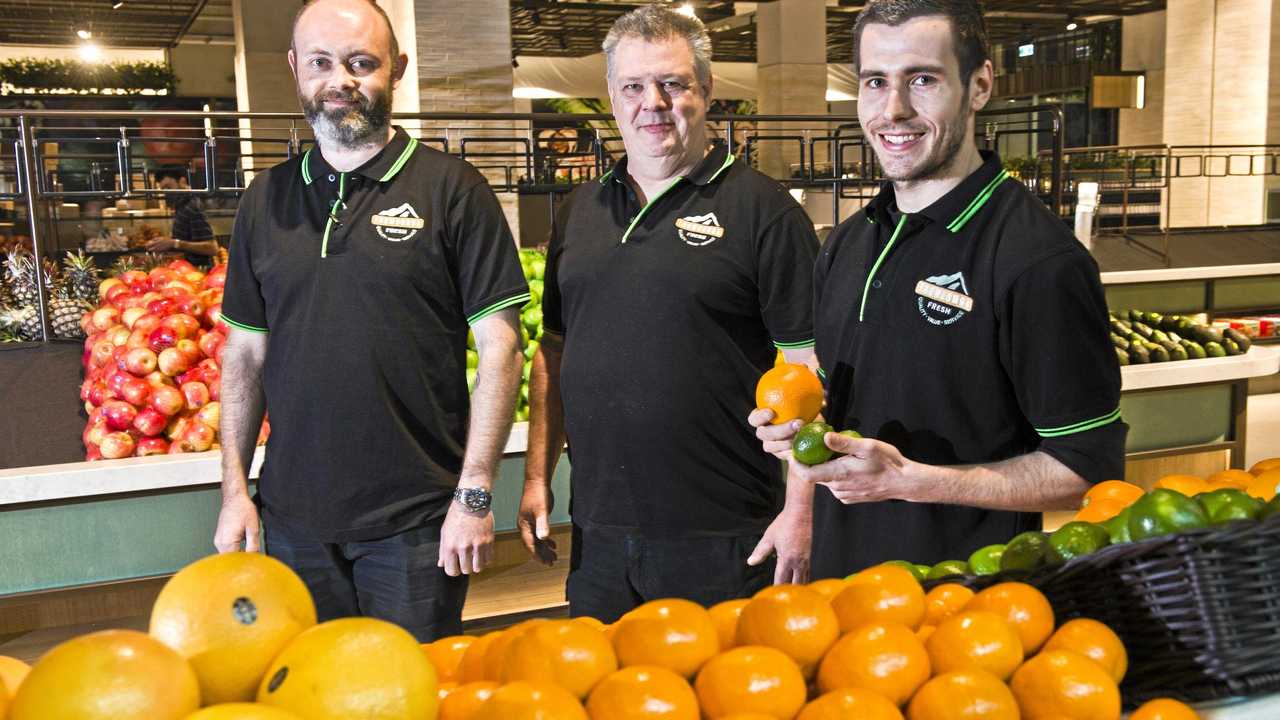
x: 197, y: 247
x: 243, y: 406
x: 1034, y: 482
x: 546, y: 413
x: 799, y: 495
x: 493, y: 403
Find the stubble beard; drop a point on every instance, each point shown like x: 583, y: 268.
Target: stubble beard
x: 943, y: 155
x: 350, y: 128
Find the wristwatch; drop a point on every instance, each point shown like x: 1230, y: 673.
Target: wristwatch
x: 473, y: 498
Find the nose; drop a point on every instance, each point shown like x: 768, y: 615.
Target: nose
x: 342, y: 78
x: 654, y: 98
x: 897, y: 105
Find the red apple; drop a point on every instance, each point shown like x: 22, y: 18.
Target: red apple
x: 174, y: 362
x: 196, y: 394
x: 86, y: 324
x: 190, y: 348
x: 214, y: 317
x: 106, y: 285
x: 210, y: 342
x: 138, y: 339
x: 210, y: 414
x: 85, y: 387
x: 129, y: 302
x: 157, y: 379
x: 198, y: 437
x: 195, y: 277
x: 191, y: 306
x: 152, y: 446
x: 118, y: 414
x: 136, y: 279
x: 141, y: 361
x: 215, y: 389
x: 101, y: 353
x: 105, y: 317
x: 216, y: 278
x: 118, y: 357
x: 161, y: 307
x: 147, y: 323
x: 94, y: 431
x: 183, y: 324
x: 167, y: 400
x: 118, y: 335
x: 210, y: 369
x: 131, y: 315
x: 149, y: 422
x: 160, y: 276
x: 115, y: 383
x: 92, y: 453
x: 162, y: 338
x: 115, y: 292
x: 117, y: 445
x: 177, y: 426
x: 135, y: 391
x: 178, y: 285
x: 98, y: 394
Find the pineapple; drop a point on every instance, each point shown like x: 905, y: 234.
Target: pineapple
x: 24, y: 322
x: 122, y: 265
x: 21, y: 269
x: 80, y: 276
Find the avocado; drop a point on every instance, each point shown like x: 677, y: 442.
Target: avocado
x: 1195, y: 350
x: 1119, y: 342
x: 1175, y: 337
x: 1239, y: 338
x: 1122, y: 356
x: 1177, y: 352
x: 1204, y: 334
x: 1159, y: 336
x: 1138, y: 354
x: 1136, y: 316
x: 1157, y: 352
x: 1121, y: 327
x: 1153, y: 318
x: 1213, y: 349
x: 1230, y: 346
x: 1142, y: 329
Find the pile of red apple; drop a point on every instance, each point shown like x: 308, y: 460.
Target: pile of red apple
x: 152, y: 363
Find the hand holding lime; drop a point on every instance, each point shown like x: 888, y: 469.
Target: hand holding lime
x: 809, y: 446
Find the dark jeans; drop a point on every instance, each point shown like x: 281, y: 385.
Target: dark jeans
x: 393, y: 579
x: 611, y: 572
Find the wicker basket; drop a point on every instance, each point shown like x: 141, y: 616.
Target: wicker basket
x: 1199, y: 611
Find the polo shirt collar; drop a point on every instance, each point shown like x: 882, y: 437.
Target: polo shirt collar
x: 704, y: 173
x: 958, y: 206
x: 381, y: 167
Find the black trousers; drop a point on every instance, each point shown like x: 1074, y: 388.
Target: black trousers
x: 611, y: 572
x: 393, y: 578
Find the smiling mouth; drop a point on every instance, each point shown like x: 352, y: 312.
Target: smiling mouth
x: 896, y: 140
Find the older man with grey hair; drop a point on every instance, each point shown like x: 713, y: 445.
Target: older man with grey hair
x: 671, y: 281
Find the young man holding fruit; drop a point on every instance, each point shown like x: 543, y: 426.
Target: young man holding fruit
x: 960, y: 328
x: 356, y: 272
x: 669, y: 282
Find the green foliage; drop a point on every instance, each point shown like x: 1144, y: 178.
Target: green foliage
x: 44, y: 76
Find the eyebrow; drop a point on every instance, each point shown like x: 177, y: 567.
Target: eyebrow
x: 913, y: 70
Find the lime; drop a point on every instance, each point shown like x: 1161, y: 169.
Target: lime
x: 1163, y: 511
x: 986, y: 560
x: 852, y: 434
x: 1027, y: 551
x: 909, y: 567
x: 808, y: 446
x: 921, y: 571
x: 1271, y: 508
x: 1229, y: 504
x: 947, y: 568
x: 473, y: 359
x: 1118, y: 527
x: 1075, y: 539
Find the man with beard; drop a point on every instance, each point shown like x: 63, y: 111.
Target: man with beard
x: 356, y: 271
x: 671, y: 282
x: 960, y: 327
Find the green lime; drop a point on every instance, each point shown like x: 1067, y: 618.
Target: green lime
x: 910, y: 567
x: 1164, y: 511
x: 1229, y: 504
x: 808, y: 446
x: 1027, y: 551
x: 852, y: 434
x: 947, y: 568
x: 986, y: 560
x: 1118, y: 527
x: 921, y: 571
x: 1075, y: 539
x: 1271, y: 508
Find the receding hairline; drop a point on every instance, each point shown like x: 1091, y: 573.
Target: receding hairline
x: 371, y: 4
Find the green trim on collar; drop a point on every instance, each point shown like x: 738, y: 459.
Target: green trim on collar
x: 644, y: 210
x: 801, y: 345
x: 400, y: 161
x: 727, y: 162
x: 1081, y: 426
x: 520, y: 299
x: 822, y: 373
x: 333, y: 217
x: 605, y: 177
x: 243, y: 326
x: 866, y: 287
x: 306, y: 171
x: 982, y: 198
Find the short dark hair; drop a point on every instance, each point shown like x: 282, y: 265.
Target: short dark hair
x: 169, y: 171
x: 391, y: 30
x: 968, y: 29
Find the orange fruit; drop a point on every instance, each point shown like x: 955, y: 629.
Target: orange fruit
x: 4, y: 701
x: 678, y: 635
x: 746, y: 716
x: 1095, y: 641
x: 850, y: 704
x: 750, y: 679
x: 964, y: 695
x: 885, y: 658
x: 230, y: 615
x: 1264, y: 485
x: 352, y: 667
x: 562, y: 652
x: 117, y: 674
x: 643, y: 692
x: 1164, y: 709
x: 791, y: 391
x: 446, y: 654
x: 1188, y: 485
x: 465, y: 700
x: 1067, y: 685
x: 945, y: 600
x: 725, y: 616
x: 1023, y: 607
x: 591, y: 622
x: 828, y: 587
x: 495, y: 655
x: 12, y: 672
x: 242, y: 711
x: 1264, y: 465
x: 925, y: 632
x: 1118, y: 490
x: 471, y: 667
x: 975, y: 639
x: 884, y: 593
x: 530, y: 701
x: 1099, y: 510
x: 1238, y: 479
x: 792, y: 618
x: 444, y: 688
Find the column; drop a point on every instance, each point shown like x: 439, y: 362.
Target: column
x: 264, y: 82
x: 1142, y: 49
x: 791, y: 52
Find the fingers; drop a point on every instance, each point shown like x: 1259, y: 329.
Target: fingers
x: 779, y: 433
x: 542, y: 528
x: 763, y: 550
x: 251, y: 540
x: 760, y: 417
x: 847, y: 445
x: 449, y: 560
x: 527, y: 536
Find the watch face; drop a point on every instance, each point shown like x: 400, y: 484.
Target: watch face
x: 475, y: 499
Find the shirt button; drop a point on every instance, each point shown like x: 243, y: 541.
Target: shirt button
x: 876, y: 284
x: 332, y: 178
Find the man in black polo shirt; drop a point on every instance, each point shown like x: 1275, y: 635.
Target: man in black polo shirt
x: 190, y: 233
x: 670, y: 281
x: 356, y: 271
x: 960, y: 327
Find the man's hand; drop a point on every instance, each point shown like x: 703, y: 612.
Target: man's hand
x: 790, y: 537
x: 162, y: 245
x: 237, y: 522
x: 466, y: 541
x: 776, y: 439
x: 536, y: 504
x: 869, y: 471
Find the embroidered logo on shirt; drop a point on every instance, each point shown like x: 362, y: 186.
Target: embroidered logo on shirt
x: 943, y: 299
x: 398, y: 224
x: 699, y: 230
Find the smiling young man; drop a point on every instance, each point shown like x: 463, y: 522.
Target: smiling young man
x: 670, y: 283
x: 960, y: 327
x: 356, y: 272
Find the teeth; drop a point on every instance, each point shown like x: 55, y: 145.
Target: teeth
x: 900, y: 139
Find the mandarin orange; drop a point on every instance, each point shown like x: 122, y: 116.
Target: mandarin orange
x: 885, y: 658
x: 792, y: 618
x: 1023, y: 607
x: 884, y: 593
x: 1067, y: 685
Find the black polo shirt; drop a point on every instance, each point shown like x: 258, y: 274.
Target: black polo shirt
x: 972, y: 331
x: 671, y: 311
x: 367, y: 282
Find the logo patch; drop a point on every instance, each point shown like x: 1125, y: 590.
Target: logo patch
x: 943, y: 299
x: 398, y: 224
x: 699, y: 230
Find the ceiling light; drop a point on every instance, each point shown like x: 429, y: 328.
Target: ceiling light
x: 686, y: 9
x: 91, y: 52
x: 84, y: 34
x: 117, y: 4
x: 1072, y: 24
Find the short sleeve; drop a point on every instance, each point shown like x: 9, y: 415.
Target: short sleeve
x: 786, y: 250
x: 1055, y: 346
x: 488, y: 266
x: 242, y: 303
